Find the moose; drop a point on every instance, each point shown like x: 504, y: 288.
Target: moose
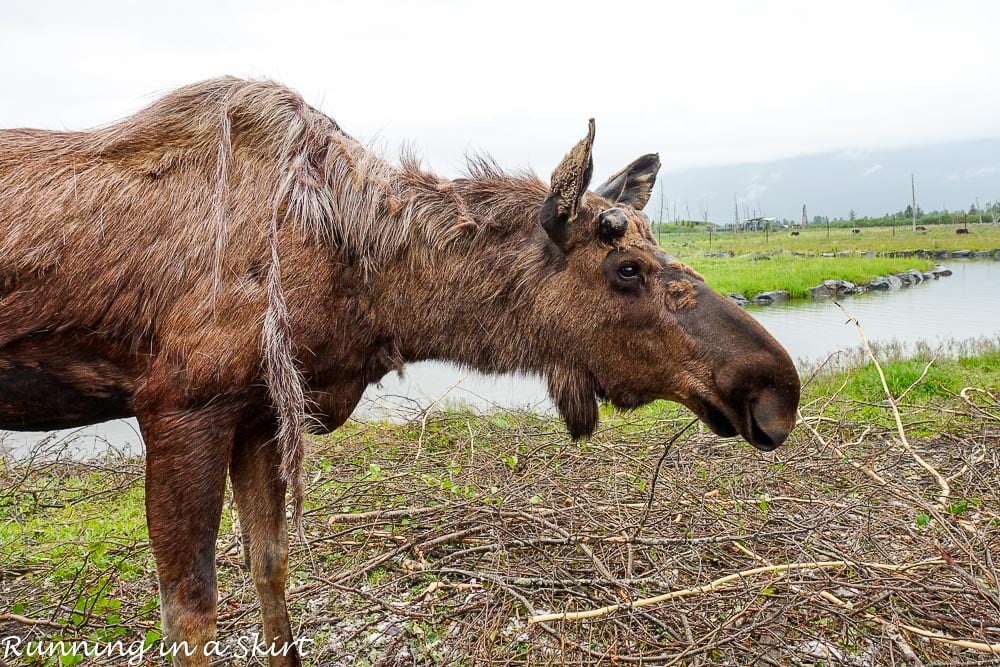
x: 230, y: 267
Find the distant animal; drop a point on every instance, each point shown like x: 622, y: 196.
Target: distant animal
x: 961, y: 230
x: 795, y: 233
x: 228, y: 266
x: 920, y: 228
x: 856, y: 231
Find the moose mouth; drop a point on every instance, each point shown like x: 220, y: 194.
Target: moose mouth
x: 746, y: 424
x: 762, y: 420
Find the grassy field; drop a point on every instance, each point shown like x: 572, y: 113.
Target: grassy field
x: 813, y: 239
x: 780, y: 261
x: 750, y: 274
x: 433, y: 541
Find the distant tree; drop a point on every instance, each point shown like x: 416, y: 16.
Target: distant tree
x: 853, y: 215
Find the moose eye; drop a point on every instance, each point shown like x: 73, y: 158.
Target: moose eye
x: 628, y: 271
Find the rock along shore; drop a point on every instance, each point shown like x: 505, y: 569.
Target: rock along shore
x: 836, y: 288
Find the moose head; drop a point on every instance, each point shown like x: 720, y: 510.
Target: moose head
x: 630, y: 324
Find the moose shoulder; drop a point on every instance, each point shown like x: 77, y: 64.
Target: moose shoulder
x: 228, y: 257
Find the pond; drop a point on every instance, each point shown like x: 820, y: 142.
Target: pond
x: 963, y: 306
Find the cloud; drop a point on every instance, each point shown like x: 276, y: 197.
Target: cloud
x: 852, y: 155
x: 973, y: 173
x: 754, y: 191
x: 872, y: 169
x: 449, y: 75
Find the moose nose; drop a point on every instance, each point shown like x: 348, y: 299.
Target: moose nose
x: 771, y: 418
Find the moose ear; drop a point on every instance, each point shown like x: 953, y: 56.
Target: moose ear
x: 569, y: 183
x: 633, y: 184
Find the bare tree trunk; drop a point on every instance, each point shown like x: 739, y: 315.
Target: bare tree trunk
x: 659, y: 227
x: 913, y: 191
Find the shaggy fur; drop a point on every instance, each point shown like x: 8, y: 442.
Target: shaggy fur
x: 230, y: 267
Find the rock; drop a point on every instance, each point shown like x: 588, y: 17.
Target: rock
x: 996, y: 255
x: 905, y: 279
x: 827, y: 254
x: 885, y: 283
x: 929, y: 276
x: 833, y: 288
x: 740, y: 300
x: 940, y: 254
x: 940, y: 271
x: 916, y: 276
x: 842, y: 286
x: 983, y: 254
x: 961, y: 254
x: 767, y: 298
x: 821, y: 292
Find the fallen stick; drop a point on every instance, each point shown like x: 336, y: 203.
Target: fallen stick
x: 24, y: 620
x: 720, y: 583
x: 982, y: 647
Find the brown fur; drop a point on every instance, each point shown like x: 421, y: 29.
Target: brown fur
x: 230, y: 267
x: 681, y: 295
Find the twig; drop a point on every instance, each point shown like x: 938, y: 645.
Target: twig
x: 917, y: 381
x: 24, y: 620
x: 945, y: 488
x: 423, y: 419
x: 656, y: 477
x: 962, y: 643
x: 720, y: 583
x: 823, y: 441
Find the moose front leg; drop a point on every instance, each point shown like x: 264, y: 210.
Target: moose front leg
x: 260, y: 500
x: 187, y: 454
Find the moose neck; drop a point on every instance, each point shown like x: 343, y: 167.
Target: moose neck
x: 472, y: 300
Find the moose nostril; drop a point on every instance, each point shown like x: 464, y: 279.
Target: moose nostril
x: 760, y: 438
x: 769, y: 421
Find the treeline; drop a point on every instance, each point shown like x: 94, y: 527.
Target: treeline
x: 923, y: 219
x: 989, y: 213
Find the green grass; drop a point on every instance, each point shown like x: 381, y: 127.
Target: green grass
x: 925, y: 383
x: 943, y: 379
x: 685, y: 242
x: 749, y: 275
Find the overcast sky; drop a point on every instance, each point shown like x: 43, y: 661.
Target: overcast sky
x: 702, y: 83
